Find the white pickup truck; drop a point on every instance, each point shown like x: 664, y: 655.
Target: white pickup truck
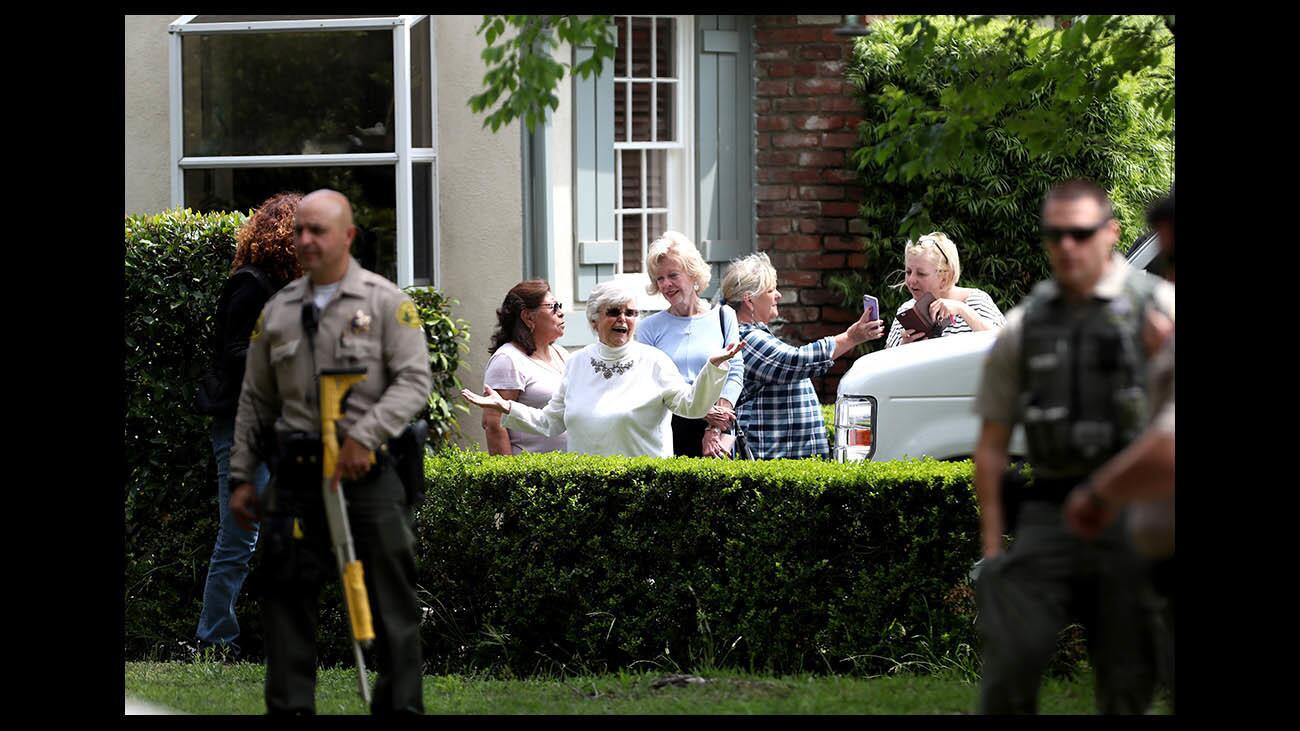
x: 915, y: 400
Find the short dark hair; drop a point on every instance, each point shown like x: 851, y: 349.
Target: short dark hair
x: 1162, y: 209
x: 1076, y: 188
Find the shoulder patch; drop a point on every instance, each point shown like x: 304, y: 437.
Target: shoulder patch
x: 408, y: 316
x: 257, y: 327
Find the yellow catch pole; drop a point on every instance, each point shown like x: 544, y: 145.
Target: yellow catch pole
x: 334, y: 384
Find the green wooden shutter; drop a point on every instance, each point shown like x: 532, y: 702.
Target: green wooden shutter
x: 596, y: 248
x: 724, y: 140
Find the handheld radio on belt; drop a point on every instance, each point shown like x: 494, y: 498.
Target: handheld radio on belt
x: 334, y: 383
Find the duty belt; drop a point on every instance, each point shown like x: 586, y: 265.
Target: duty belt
x: 1048, y: 490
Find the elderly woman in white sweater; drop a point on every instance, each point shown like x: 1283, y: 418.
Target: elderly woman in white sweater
x: 618, y: 395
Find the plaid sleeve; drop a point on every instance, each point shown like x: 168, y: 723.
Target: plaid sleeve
x: 771, y: 361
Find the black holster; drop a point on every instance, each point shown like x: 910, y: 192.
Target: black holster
x: 1019, y: 488
x: 295, y: 465
x: 1014, y: 484
x: 407, y: 453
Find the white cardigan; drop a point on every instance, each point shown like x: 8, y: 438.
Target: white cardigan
x: 628, y: 412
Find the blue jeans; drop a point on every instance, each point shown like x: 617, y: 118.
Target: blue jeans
x: 229, y: 565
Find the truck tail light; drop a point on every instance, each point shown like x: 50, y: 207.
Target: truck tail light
x: 855, y: 428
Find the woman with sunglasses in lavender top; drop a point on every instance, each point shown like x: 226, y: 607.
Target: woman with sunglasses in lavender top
x: 526, y: 364
x: 617, y: 395
x: 932, y: 267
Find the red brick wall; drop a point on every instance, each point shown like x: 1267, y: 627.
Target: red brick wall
x: 806, y: 195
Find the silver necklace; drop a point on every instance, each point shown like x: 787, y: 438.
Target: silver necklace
x: 609, y: 370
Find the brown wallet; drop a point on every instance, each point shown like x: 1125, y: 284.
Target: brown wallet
x: 918, y: 318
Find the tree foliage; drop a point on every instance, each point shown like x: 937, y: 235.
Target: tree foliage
x: 1063, y: 69
x: 968, y: 122
x: 522, y: 74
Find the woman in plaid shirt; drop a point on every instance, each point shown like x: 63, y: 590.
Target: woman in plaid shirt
x: 778, y: 409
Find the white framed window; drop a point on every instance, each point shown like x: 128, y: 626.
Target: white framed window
x: 651, y: 133
x: 262, y: 104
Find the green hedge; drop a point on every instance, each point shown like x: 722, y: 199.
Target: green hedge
x: 539, y: 561
x: 548, y: 563
x: 987, y: 199
x: 175, y: 265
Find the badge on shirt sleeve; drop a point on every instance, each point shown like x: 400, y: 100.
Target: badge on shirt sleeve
x: 407, y: 315
x: 360, y: 323
x: 257, y: 328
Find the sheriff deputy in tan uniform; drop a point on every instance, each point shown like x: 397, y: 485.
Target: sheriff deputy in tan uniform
x: 336, y: 315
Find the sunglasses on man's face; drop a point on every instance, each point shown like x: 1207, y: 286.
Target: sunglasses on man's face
x: 554, y: 307
x: 1056, y: 234
x: 614, y: 312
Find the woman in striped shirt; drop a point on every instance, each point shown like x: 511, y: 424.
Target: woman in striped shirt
x: 931, y: 266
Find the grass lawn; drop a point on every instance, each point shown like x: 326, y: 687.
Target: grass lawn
x: 237, y: 689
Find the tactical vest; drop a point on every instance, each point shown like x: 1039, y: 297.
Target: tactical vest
x: 1083, y: 377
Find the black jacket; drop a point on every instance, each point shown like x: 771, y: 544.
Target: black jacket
x: 242, y: 299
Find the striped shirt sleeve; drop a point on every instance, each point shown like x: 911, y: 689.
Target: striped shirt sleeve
x: 895, y: 336
x: 983, y: 305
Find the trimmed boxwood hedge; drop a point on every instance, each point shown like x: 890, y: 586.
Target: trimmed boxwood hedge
x: 563, y: 562
x: 537, y: 561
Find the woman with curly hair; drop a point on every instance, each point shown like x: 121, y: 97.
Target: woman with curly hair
x: 526, y: 365
x: 264, y: 262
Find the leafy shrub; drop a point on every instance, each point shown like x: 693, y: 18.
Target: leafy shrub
x: 986, y: 196
x: 539, y: 560
x: 536, y: 563
x: 176, y: 263
x: 448, y: 338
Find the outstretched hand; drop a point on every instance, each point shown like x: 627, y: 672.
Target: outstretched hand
x: 727, y: 353
x: 490, y: 400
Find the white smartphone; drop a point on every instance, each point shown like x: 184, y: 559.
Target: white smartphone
x: 872, y: 306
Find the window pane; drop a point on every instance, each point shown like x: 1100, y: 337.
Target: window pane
x: 620, y: 55
x: 656, y: 225
x: 631, y: 242
x: 372, y: 190
x: 665, y: 44
x: 422, y: 206
x: 641, y: 47
x: 288, y: 93
x: 656, y: 178
x: 665, y: 112
x: 641, y: 112
x: 620, y: 112
x: 421, y: 87
x: 630, y: 180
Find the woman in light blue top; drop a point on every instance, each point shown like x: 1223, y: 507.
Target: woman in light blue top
x: 689, y: 331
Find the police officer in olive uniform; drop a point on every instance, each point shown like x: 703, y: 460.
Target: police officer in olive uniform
x: 336, y: 315
x: 1070, y: 367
